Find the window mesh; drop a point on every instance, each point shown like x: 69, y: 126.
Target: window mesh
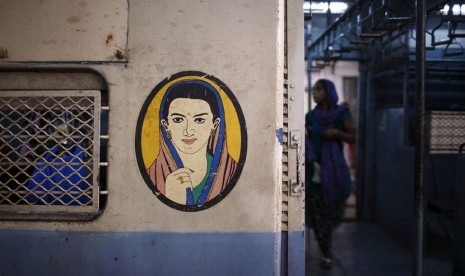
x: 445, y: 131
x: 49, y: 144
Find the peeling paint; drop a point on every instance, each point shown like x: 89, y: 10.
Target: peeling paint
x: 3, y: 53
x: 52, y: 42
x: 280, y: 135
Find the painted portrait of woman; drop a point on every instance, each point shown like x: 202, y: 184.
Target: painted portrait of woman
x: 191, y: 141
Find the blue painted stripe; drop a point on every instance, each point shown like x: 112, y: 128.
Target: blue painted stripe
x: 296, y: 253
x: 140, y: 253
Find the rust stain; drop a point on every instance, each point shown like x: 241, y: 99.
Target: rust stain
x: 3, y: 53
x: 109, y: 40
x: 121, y: 54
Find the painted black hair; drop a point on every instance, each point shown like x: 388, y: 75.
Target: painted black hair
x: 191, y: 90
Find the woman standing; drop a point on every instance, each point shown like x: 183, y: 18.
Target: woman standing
x: 328, y: 125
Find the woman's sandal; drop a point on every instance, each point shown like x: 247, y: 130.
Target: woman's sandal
x: 325, y: 263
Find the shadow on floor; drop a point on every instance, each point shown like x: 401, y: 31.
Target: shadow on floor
x: 362, y: 248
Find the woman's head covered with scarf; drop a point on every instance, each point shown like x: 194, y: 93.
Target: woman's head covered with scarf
x: 331, y: 93
x: 326, y: 117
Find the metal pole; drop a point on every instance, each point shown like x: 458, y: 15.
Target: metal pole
x: 308, y: 35
x: 419, y: 134
x: 329, y: 19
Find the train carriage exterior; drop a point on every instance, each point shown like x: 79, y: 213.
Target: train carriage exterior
x: 84, y: 86
x: 165, y: 137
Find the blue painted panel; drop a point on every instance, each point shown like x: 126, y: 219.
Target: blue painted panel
x: 394, y: 191
x: 139, y: 253
x: 296, y: 253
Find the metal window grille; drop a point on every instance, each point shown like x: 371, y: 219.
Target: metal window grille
x: 445, y: 131
x: 49, y: 154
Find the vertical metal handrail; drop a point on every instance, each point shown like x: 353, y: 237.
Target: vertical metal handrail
x: 419, y: 134
x: 457, y: 265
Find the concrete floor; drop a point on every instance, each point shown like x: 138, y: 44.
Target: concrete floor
x: 362, y: 248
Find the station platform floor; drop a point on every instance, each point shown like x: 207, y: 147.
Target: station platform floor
x: 365, y: 249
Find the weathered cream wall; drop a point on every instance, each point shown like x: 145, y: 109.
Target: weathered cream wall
x: 239, y: 42
x: 236, y: 42
x: 57, y: 30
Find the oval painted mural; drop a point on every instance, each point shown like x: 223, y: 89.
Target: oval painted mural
x: 191, y: 141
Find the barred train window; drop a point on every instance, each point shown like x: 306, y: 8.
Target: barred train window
x: 50, y: 154
x: 445, y: 131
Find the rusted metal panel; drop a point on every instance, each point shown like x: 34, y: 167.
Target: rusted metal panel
x: 63, y: 30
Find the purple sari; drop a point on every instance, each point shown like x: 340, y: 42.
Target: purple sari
x: 333, y: 168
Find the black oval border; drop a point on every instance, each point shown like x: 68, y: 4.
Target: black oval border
x: 242, y: 157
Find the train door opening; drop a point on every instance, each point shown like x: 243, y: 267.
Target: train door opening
x: 345, y: 76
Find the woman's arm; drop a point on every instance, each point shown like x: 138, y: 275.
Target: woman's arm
x: 348, y: 135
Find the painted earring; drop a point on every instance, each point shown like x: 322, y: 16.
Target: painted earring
x: 212, y: 133
x: 168, y: 133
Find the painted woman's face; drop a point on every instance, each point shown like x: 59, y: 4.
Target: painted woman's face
x: 190, y: 122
